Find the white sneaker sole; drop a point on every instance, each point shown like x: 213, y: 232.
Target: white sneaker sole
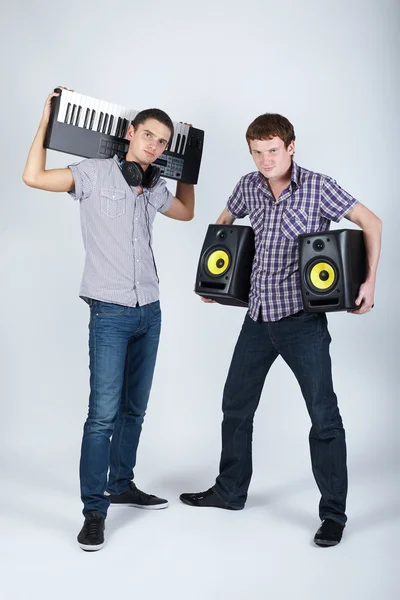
x: 91, y: 547
x: 149, y: 507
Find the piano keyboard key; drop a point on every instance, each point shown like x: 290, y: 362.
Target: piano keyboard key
x: 71, y: 121
x: 86, y: 121
x: 68, y: 112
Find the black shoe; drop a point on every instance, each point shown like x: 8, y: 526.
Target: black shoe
x: 138, y: 499
x: 91, y: 536
x: 329, y: 534
x: 207, y: 498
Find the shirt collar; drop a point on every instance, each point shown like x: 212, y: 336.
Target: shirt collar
x: 295, y: 176
x: 295, y: 180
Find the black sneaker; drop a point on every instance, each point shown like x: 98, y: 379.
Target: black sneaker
x: 135, y: 497
x: 207, y: 498
x: 91, y: 536
x: 329, y: 534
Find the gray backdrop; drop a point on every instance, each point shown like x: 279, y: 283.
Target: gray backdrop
x: 332, y: 68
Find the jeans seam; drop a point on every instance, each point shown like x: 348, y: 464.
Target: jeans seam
x: 95, y: 365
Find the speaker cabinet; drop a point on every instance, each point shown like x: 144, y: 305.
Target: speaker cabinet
x: 225, y: 264
x: 332, y: 266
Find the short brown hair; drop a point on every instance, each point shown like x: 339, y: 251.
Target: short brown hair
x: 153, y: 113
x: 270, y: 125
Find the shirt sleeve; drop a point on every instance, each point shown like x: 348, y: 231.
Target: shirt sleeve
x: 84, y: 174
x: 162, y: 197
x: 335, y: 202
x: 236, y: 205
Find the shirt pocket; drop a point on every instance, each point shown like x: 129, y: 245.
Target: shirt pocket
x: 294, y: 223
x: 257, y: 219
x: 113, y: 203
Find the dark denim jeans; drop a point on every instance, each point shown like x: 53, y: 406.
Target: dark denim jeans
x: 123, y: 345
x: 303, y: 342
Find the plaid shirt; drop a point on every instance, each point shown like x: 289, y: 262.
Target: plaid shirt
x: 309, y: 204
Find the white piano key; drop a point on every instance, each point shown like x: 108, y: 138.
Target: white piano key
x: 105, y: 116
x: 82, y: 104
x: 117, y: 114
x: 67, y: 100
x: 78, y: 102
x: 93, y: 108
x: 186, y: 134
x: 124, y: 116
x: 179, y: 139
x: 85, y: 107
x: 89, y: 106
x: 111, y: 116
x: 62, y: 107
x: 174, y: 137
x: 96, y: 108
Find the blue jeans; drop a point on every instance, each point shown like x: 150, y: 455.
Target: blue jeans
x: 303, y: 342
x: 123, y: 345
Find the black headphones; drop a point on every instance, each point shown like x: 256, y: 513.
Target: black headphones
x: 134, y: 174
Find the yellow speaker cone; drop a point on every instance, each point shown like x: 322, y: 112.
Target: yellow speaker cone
x: 322, y: 275
x: 218, y: 262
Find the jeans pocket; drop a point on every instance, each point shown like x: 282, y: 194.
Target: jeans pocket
x: 155, y: 307
x: 113, y: 203
x: 303, y: 316
x: 108, y: 309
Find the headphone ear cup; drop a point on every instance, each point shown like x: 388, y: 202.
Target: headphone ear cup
x: 133, y: 173
x: 151, y: 176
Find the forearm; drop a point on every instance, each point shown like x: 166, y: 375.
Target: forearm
x: 185, y: 193
x: 372, y: 238
x: 36, y: 161
x: 225, y: 218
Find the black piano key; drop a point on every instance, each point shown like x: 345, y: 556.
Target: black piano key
x: 73, y: 115
x: 125, y: 126
x: 86, y: 121
x: 100, y: 123
x: 121, y: 128
x: 78, y: 114
x: 182, y: 144
x: 92, y: 119
x: 104, y: 130
x: 67, y: 112
x: 119, y: 125
x: 110, y: 124
x: 178, y: 139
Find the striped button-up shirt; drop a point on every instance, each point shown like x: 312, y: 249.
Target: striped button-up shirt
x: 116, y: 228
x: 309, y: 204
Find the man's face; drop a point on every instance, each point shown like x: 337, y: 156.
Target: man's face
x: 271, y: 157
x: 147, y: 142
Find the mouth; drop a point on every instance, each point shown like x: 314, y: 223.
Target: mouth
x: 149, y: 153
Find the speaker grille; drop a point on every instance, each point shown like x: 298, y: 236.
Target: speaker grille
x: 321, y: 275
x: 217, y: 262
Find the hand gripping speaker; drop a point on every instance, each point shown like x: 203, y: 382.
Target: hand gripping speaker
x: 332, y: 266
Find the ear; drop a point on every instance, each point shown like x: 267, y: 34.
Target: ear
x: 291, y: 148
x: 130, y: 132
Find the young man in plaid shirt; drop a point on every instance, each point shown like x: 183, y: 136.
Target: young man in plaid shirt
x: 282, y: 201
